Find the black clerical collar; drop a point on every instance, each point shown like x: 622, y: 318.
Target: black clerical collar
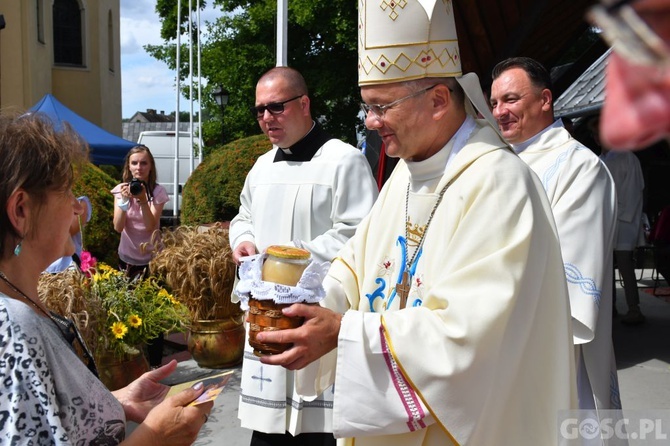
x: 305, y: 149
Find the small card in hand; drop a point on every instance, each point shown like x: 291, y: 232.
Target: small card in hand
x: 213, y: 385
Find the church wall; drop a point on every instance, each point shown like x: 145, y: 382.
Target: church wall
x: 27, y: 71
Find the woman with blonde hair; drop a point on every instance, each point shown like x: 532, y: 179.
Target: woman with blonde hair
x: 137, y: 212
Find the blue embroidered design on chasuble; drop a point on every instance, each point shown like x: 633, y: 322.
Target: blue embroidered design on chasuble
x: 586, y: 284
x: 379, y: 291
x: 552, y: 170
x: 412, y: 271
x: 615, y: 397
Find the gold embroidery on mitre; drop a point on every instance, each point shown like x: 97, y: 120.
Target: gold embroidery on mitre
x: 404, y: 62
x: 393, y: 4
x: 414, y: 233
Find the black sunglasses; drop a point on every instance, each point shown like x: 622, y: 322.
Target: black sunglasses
x: 275, y: 108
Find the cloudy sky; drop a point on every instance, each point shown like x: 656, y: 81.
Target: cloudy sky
x: 146, y: 82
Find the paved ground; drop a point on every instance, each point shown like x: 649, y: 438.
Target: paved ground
x: 643, y: 353
x: 643, y: 360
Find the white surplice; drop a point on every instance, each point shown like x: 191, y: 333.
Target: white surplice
x: 318, y: 203
x: 583, y: 201
x: 482, y: 354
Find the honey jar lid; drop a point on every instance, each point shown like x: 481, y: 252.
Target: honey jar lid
x: 288, y: 252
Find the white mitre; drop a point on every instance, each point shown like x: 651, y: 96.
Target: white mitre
x: 396, y: 41
x: 403, y: 40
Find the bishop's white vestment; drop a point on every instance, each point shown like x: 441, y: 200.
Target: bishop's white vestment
x: 482, y: 354
x: 317, y: 203
x: 583, y: 201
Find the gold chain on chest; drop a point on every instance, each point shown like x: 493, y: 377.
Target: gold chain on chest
x: 422, y: 236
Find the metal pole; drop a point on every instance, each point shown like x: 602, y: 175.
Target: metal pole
x: 175, y: 174
x: 199, y: 91
x: 191, y: 165
x: 282, y: 32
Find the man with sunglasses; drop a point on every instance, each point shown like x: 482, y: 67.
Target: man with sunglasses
x: 583, y: 200
x: 636, y: 109
x: 311, y: 190
x: 446, y: 319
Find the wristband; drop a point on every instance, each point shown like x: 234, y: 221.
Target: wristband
x: 124, y: 204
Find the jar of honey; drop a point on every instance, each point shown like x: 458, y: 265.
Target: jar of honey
x: 284, y: 264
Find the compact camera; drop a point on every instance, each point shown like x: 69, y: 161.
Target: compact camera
x: 135, y: 186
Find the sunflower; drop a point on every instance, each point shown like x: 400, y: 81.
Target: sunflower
x: 134, y: 320
x: 119, y: 329
x: 120, y: 314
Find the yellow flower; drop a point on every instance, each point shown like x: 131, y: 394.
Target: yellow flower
x: 104, y: 267
x: 132, y: 311
x: 119, y: 330
x: 164, y: 294
x: 134, y: 320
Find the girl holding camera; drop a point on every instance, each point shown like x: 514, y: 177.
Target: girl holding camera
x: 137, y: 212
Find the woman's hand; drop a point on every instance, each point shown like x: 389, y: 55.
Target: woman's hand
x: 173, y: 422
x: 140, y: 396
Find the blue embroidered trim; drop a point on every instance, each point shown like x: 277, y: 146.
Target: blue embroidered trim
x: 615, y: 396
x: 379, y: 292
x: 587, y: 285
x: 551, y: 171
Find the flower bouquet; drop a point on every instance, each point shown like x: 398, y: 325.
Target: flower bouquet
x: 136, y: 310
x: 115, y: 314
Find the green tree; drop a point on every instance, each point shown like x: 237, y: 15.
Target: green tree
x: 100, y: 239
x: 239, y: 47
x: 212, y: 192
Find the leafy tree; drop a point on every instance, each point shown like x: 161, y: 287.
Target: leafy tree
x: 212, y: 192
x: 240, y: 46
x: 100, y: 239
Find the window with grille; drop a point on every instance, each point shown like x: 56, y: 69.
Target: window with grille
x: 67, y: 24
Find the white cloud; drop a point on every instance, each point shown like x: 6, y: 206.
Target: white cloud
x: 146, y: 82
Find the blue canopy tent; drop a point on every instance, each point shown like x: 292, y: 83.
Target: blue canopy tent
x: 106, y: 148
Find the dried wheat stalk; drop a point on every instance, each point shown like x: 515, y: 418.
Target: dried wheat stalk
x: 199, y: 269
x: 64, y: 293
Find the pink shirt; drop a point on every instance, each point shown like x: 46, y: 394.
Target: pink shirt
x: 135, y: 232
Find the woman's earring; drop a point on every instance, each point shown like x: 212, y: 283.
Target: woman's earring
x: 17, y: 249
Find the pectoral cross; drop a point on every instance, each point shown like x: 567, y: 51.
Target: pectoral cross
x: 402, y: 289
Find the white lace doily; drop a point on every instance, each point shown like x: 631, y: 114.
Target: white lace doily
x: 308, y: 290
